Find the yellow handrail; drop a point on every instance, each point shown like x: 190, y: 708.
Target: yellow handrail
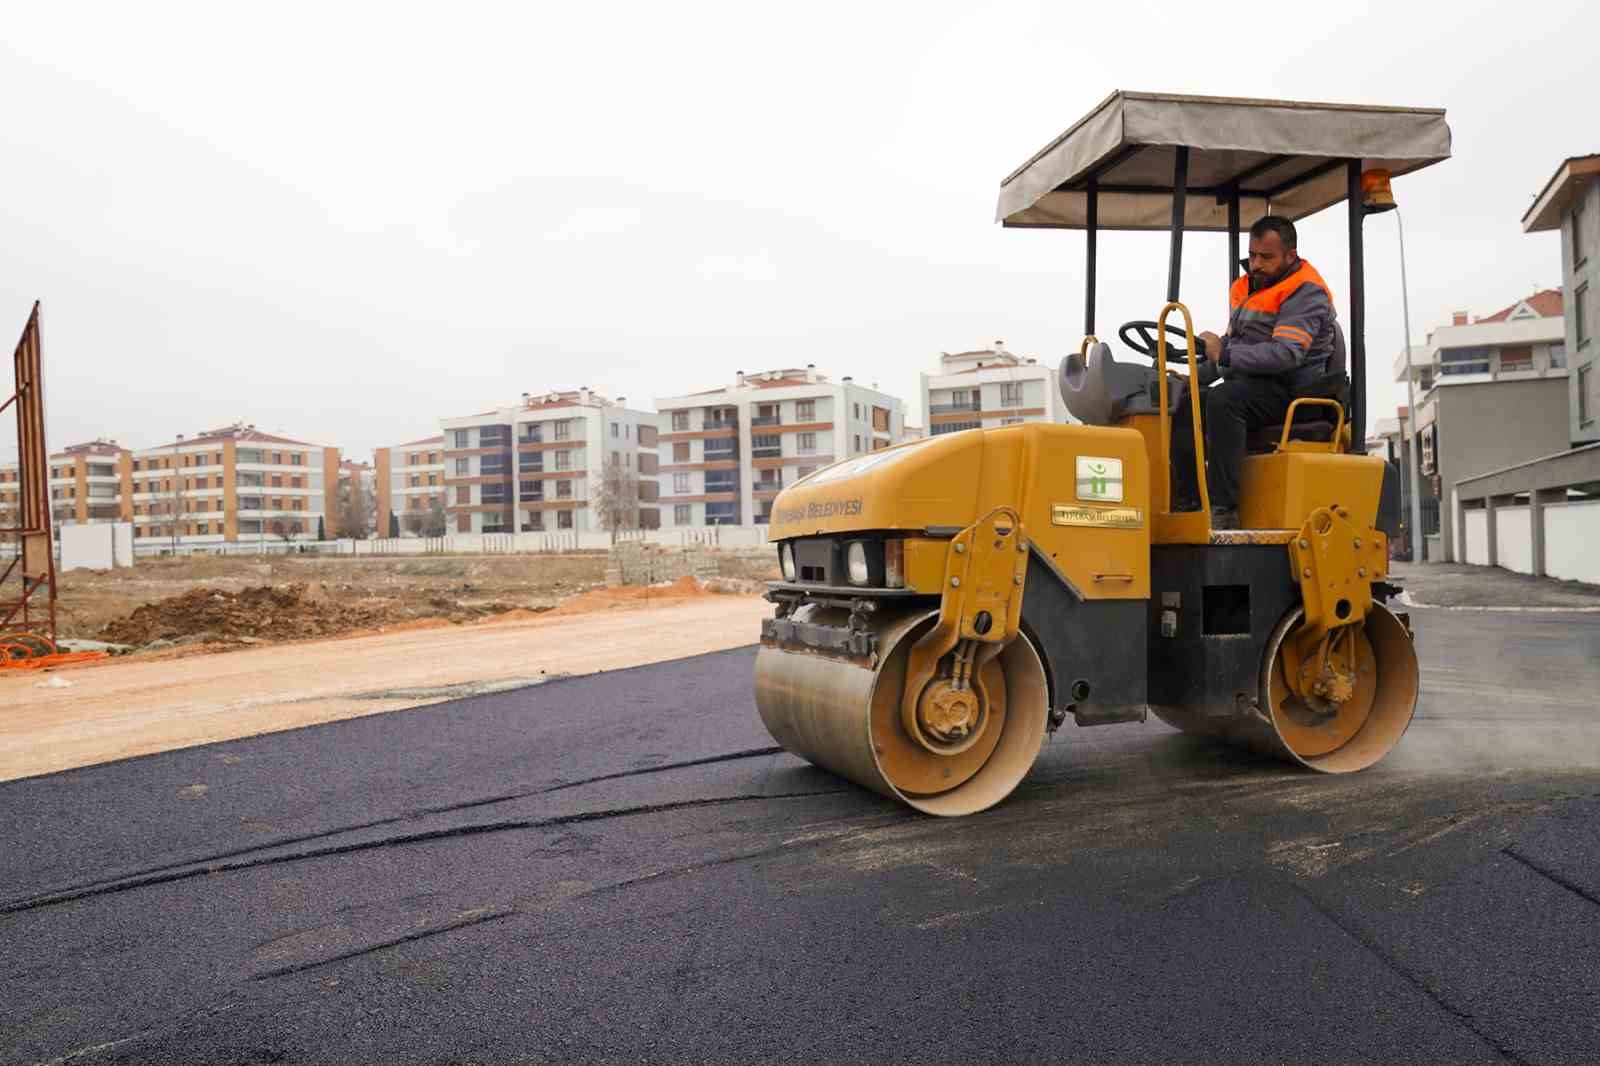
x: 1165, y: 487
x: 1312, y: 401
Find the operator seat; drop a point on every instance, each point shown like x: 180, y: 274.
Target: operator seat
x: 1310, y: 423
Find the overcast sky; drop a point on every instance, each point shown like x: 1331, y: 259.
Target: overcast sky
x: 341, y: 221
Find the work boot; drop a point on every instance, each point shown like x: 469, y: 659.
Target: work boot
x: 1224, y: 518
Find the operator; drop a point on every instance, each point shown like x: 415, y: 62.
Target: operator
x: 1282, y: 342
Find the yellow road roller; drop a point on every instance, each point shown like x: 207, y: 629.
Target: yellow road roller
x: 947, y: 602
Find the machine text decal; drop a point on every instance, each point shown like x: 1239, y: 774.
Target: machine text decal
x: 1065, y: 514
x: 820, y: 509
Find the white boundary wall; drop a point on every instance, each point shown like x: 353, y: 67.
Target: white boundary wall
x: 729, y: 537
x: 1475, y: 543
x: 1571, y: 531
x: 1513, y: 530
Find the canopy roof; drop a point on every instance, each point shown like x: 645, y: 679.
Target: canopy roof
x: 1280, y: 154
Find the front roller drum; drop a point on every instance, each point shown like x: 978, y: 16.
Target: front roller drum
x: 844, y: 715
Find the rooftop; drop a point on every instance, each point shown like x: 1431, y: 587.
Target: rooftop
x: 1546, y: 303
x: 1570, y: 179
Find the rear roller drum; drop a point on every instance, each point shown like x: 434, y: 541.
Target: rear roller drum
x: 1360, y: 729
x: 965, y: 747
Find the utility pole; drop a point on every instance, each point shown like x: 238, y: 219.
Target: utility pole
x: 177, y: 495
x: 1414, y: 456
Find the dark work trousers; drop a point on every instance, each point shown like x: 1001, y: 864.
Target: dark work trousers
x: 1228, y: 411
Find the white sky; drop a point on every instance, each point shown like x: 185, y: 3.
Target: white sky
x: 342, y: 221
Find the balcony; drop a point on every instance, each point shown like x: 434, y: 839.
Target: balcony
x: 953, y: 408
x: 713, y: 425
x: 766, y: 420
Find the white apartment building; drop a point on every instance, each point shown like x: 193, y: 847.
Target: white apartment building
x: 539, y: 465
x: 988, y: 388
x: 726, y: 453
x: 409, y: 484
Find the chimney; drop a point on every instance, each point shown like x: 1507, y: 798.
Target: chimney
x: 1459, y: 318
x: 847, y: 379
x: 584, y: 395
x: 621, y: 400
x: 811, y: 371
x: 738, y: 379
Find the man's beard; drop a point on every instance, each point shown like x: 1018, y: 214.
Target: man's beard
x: 1260, y: 279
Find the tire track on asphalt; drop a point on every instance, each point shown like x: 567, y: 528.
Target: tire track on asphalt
x: 189, y: 872
x: 83, y: 888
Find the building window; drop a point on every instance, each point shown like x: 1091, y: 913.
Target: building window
x: 858, y: 442
x: 534, y: 523
x: 494, y: 523
x: 680, y: 452
x: 494, y: 494
x: 807, y: 443
x: 494, y: 436
x: 563, y: 490
x: 1516, y: 358
x: 563, y: 519
x: 563, y: 430
x: 722, y: 514
x: 1585, y: 407
x: 1580, y: 313
x: 297, y: 459
x: 1579, y: 250
x: 530, y: 491
x: 766, y: 446
x: 463, y: 439
x: 463, y: 494
x: 1011, y: 394
x: 682, y: 514
x: 532, y: 433
x: 950, y: 427
x: 680, y: 483
x: 856, y: 411
x: 493, y: 464
x: 805, y: 411
x: 1558, y: 356
x: 805, y: 471
x: 960, y: 398
x: 463, y: 467
x: 614, y: 433
x: 564, y: 459
x: 680, y: 421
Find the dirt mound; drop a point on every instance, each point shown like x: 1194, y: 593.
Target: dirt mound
x: 266, y: 612
x: 685, y: 588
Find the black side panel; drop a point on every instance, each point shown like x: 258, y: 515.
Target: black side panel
x: 1212, y: 610
x: 1094, y: 650
x: 1389, y: 502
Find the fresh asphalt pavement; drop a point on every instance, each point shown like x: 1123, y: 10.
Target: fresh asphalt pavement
x: 619, y: 868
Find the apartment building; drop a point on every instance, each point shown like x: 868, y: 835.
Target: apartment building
x: 410, y: 489
x: 1491, y: 392
x: 232, y: 485
x: 561, y: 460
x: 88, y: 483
x: 989, y: 387
x: 726, y: 453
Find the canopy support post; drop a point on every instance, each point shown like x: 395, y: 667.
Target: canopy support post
x: 1180, y: 181
x: 1233, y: 235
x: 1358, y: 313
x: 1092, y: 226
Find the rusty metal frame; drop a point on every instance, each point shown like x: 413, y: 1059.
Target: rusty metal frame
x: 34, y: 564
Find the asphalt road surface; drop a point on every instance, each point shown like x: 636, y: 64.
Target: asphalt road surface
x: 619, y: 868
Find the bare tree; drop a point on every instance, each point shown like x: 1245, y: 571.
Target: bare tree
x: 615, y: 501
x: 434, y: 524
x: 355, y: 508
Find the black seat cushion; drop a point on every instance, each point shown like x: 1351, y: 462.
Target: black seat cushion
x: 1266, y: 438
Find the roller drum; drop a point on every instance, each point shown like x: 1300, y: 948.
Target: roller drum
x: 844, y: 716
x: 1361, y: 732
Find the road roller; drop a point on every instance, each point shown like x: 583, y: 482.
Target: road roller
x: 946, y: 603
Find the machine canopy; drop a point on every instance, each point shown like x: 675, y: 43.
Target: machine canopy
x: 1281, y: 156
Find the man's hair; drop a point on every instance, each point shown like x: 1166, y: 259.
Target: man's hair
x: 1275, y: 224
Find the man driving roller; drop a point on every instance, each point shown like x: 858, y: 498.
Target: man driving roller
x: 1282, y: 342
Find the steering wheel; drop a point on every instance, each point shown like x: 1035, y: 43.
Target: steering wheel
x: 1145, y: 344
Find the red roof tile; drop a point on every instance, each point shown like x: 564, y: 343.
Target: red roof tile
x: 1546, y: 303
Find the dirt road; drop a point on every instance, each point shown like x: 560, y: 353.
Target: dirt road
x: 122, y: 708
